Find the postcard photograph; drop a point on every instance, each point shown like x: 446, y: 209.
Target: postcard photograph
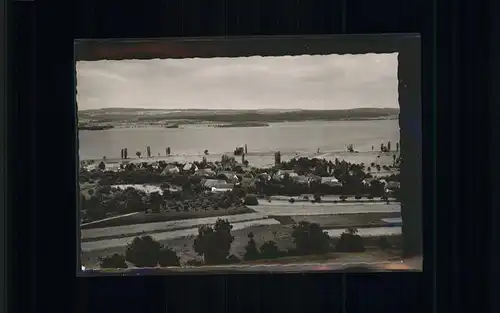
x: 239, y: 161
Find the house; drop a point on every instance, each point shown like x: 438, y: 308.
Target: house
x: 230, y: 176
x: 264, y: 176
x: 222, y: 187
x: 170, y: 169
x: 331, y: 181
x: 209, y: 183
x: 391, y: 185
x: 368, y: 181
x: 220, y: 190
x: 281, y: 174
x: 205, y: 172
x: 301, y: 179
x: 247, y: 182
x: 314, y: 178
x: 189, y: 166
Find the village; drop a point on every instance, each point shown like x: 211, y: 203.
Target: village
x: 163, y: 186
x: 118, y: 196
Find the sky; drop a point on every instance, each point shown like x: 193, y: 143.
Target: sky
x: 313, y: 82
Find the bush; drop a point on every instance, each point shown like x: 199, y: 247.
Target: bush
x: 168, y: 257
x: 343, y: 198
x: 370, y: 197
x: 143, y: 252
x: 269, y: 250
x: 358, y: 197
x: 251, y: 200
x: 350, y: 241
x: 251, y: 251
x: 317, y: 198
x: 114, y: 261
x: 309, y: 238
x: 291, y: 200
x: 214, y: 243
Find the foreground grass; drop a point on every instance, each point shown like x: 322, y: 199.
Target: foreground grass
x: 330, y: 221
x: 281, y: 234
x: 142, y: 218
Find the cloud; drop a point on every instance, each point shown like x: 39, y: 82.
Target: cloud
x: 288, y: 82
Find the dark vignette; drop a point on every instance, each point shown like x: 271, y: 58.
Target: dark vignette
x: 4, y: 206
x: 409, y: 75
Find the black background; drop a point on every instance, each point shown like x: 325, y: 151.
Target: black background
x: 459, y: 42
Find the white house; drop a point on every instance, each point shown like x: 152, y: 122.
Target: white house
x: 170, y: 169
x: 209, y: 183
x: 189, y: 166
x: 222, y: 187
x: 331, y: 181
x: 281, y: 174
x: 231, y: 176
x: 205, y: 172
x: 301, y: 179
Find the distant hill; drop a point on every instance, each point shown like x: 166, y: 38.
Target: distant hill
x: 272, y: 115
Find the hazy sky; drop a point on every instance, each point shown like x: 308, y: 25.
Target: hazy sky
x: 290, y: 82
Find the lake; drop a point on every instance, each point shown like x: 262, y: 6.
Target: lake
x: 303, y: 138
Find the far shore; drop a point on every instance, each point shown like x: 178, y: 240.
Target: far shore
x: 120, y: 124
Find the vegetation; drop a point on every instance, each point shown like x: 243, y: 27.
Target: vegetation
x: 350, y: 241
x: 251, y: 251
x: 247, y: 116
x: 214, y: 243
x: 184, y: 190
x: 114, y: 261
x: 270, y: 250
x: 251, y: 200
x: 309, y: 238
x: 168, y: 257
x: 146, y: 252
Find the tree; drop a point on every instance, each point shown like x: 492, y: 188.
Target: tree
x: 251, y: 200
x: 214, y: 243
x: 114, y: 261
x: 102, y: 166
x: 155, y: 201
x: 251, y: 251
x: 94, y: 209
x: 269, y: 250
x: 350, y: 241
x: 138, y: 153
x: 309, y: 238
x: 143, y: 252
x: 168, y: 257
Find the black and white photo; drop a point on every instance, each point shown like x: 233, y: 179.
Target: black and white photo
x: 239, y: 162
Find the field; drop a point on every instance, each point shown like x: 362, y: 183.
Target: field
x: 281, y: 234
